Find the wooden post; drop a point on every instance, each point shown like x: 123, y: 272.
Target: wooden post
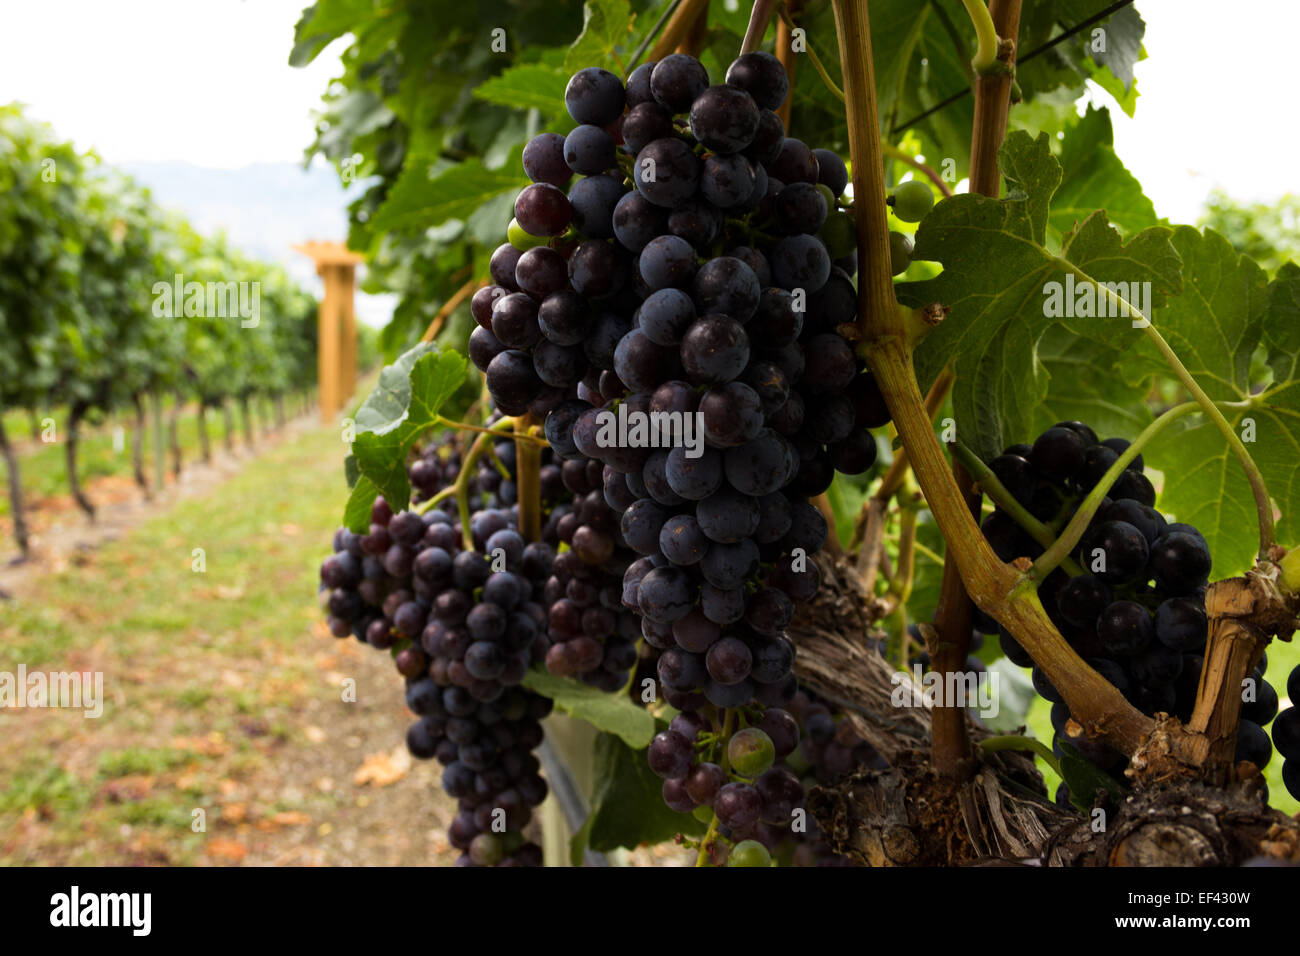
x: 336, y: 355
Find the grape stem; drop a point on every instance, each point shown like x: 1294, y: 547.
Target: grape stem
x: 528, y: 466
x: 992, y: 487
x: 985, y: 59
x: 494, y: 430
x: 813, y: 58
x: 1012, y: 742
x: 448, y: 307
x: 1094, y: 702
x: 1263, y: 504
x: 893, y: 152
x: 759, y: 17
x: 460, y: 487
x: 678, y: 26
x: 711, y: 836
x: 1059, y: 551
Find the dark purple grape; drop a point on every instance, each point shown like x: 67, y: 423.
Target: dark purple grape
x: 715, y: 349
x: 762, y: 76
x: 636, y: 221
x: 597, y: 269
x: 667, y: 261
x: 588, y: 150
x: 544, y: 160
x: 644, y: 124
x: 724, y: 119
x: 666, y: 172
x: 542, y: 210
x: 800, y: 262
x: 594, y: 96
x: 677, y: 80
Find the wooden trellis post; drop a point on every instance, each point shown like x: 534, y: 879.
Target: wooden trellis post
x: 337, y: 340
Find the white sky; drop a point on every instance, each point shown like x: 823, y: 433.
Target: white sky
x: 207, y: 81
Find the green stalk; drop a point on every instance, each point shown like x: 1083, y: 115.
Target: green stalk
x: 1004, y: 500
x: 649, y: 37
x: 985, y: 59
x: 1062, y: 546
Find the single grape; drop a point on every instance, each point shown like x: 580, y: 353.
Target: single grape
x: 912, y: 200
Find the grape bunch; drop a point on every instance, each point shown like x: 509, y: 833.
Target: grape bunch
x: 1137, y: 614
x: 463, y: 620
x: 677, y: 254
x: 1286, y: 735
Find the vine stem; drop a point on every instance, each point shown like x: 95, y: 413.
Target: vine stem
x: 759, y: 17
x: 528, y: 462
x: 465, y: 426
x: 1093, y: 701
x: 728, y: 727
x: 460, y: 487
x: 994, y: 488
x: 986, y: 53
x: 813, y: 58
x: 893, y: 152
x: 1263, y: 504
x: 448, y: 307
x: 1014, y: 742
x: 678, y: 25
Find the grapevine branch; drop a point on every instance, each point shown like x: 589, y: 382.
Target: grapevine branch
x: 954, y: 616
x: 1093, y: 701
x: 678, y: 26
x: 649, y: 37
x: 759, y: 17
x: 528, y: 460
x: 461, y: 294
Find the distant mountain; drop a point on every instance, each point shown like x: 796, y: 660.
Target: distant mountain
x: 264, y: 209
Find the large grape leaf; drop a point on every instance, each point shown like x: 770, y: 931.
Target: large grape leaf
x: 1226, y: 312
x: 527, y: 86
x: 418, y: 202
x: 1082, y: 386
x: 627, y: 807
x: 397, y: 412
x: 614, y: 713
x: 996, y: 279
x: 605, y: 25
x: 1093, y: 177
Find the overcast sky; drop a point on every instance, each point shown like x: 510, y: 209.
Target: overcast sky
x: 206, y: 81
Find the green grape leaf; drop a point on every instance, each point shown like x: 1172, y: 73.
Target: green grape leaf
x: 417, y: 202
x: 1083, y: 386
x: 627, y: 805
x: 381, y: 449
x: 605, y: 24
x: 351, y: 471
x: 1095, y: 178
x: 1227, y: 312
x: 356, y: 513
x: 527, y: 86
x: 614, y: 713
x: 391, y: 396
x: 1084, y: 778
x: 1005, y: 289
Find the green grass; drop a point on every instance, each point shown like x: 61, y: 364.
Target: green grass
x: 224, y: 655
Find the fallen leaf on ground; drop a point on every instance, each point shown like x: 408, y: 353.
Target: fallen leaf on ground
x: 380, y: 770
x: 231, y: 850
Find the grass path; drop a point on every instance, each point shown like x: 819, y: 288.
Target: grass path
x: 223, y: 694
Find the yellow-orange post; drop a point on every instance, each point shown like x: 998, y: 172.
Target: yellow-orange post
x: 336, y: 358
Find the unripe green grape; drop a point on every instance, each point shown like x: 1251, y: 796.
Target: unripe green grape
x: 838, y: 234
x: 751, y: 752
x: 749, y: 853
x: 703, y: 813
x: 523, y: 241
x: 486, y: 849
x: 827, y: 195
x: 900, y: 252
x: 912, y: 200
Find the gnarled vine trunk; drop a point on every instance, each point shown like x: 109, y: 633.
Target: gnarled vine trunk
x: 229, y: 424
x: 173, y: 434
x: 914, y: 814
x: 75, y: 416
x: 205, y: 446
x: 246, y: 418
x: 137, y: 448
x: 15, y: 491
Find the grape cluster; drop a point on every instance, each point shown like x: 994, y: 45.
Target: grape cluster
x: 1137, y: 614
x: 699, y: 264
x: 463, y: 621
x: 1286, y: 735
